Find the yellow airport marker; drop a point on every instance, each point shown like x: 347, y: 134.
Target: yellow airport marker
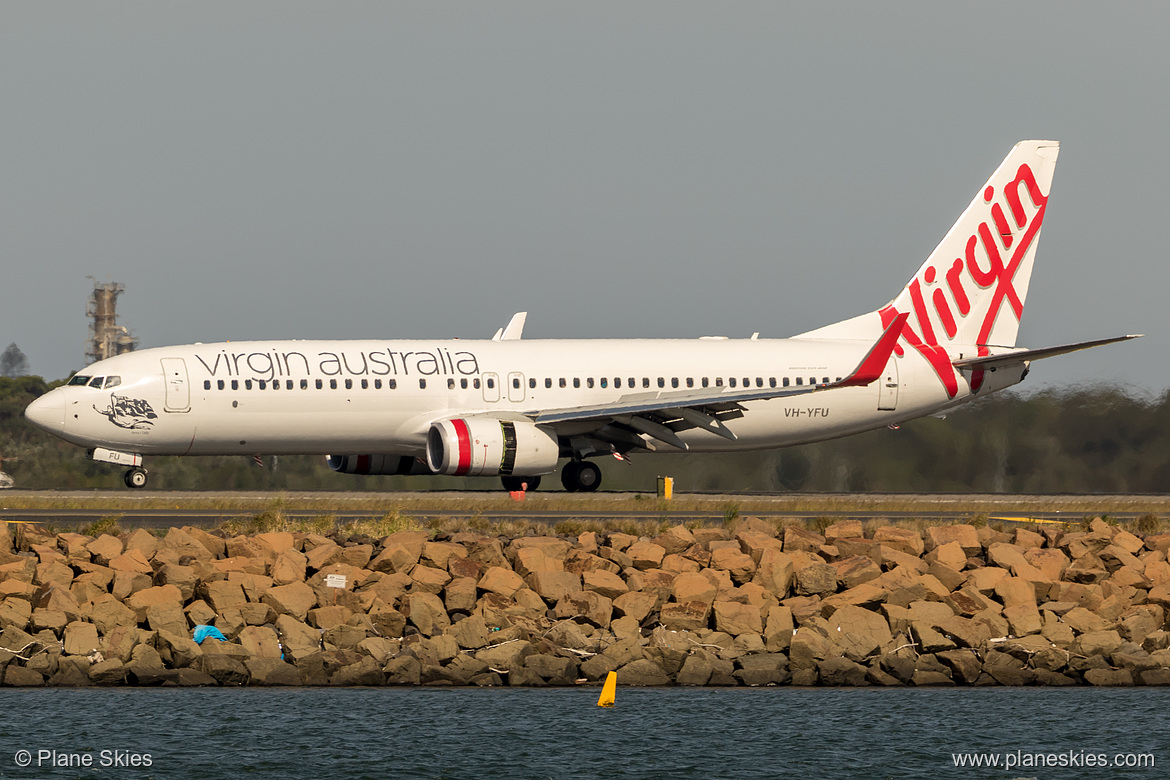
x: 608, y: 691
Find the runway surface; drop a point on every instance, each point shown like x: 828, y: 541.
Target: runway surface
x: 158, y: 509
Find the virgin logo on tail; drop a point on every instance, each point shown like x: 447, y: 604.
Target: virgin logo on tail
x: 972, y: 290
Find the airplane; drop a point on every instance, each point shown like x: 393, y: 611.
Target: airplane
x: 516, y: 408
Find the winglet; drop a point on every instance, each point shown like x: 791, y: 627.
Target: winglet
x: 514, y: 328
x: 874, y: 363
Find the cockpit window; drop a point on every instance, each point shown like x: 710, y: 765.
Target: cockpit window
x: 112, y: 381
x: 97, y: 382
x: 79, y: 380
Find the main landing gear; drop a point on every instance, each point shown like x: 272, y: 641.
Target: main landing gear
x: 135, y: 478
x: 580, y: 476
x: 513, y: 484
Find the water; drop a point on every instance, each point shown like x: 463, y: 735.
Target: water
x: 525, y: 733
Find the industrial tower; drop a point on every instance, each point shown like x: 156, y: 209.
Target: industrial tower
x: 106, y: 337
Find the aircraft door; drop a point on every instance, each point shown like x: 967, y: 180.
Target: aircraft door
x: 515, y: 386
x: 888, y: 392
x: 178, y: 398
x: 491, y: 387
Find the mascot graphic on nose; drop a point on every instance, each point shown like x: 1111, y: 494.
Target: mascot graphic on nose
x: 132, y: 413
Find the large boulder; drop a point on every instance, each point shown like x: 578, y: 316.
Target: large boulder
x: 642, y: 672
x: 427, y: 613
x: 80, y: 638
x: 271, y: 671
x: 860, y: 632
x: 294, y: 599
x: 734, y: 618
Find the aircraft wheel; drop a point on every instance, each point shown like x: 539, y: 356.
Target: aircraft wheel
x: 580, y: 476
x: 517, y: 483
x: 135, y: 478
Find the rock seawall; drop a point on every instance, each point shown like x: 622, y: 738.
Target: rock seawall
x: 754, y: 605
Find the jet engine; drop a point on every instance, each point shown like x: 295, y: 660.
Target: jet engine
x: 477, y: 446
x: 403, y: 465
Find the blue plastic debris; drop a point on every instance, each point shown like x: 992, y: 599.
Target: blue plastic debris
x: 203, y: 632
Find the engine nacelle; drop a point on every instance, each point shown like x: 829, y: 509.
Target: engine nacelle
x: 403, y: 465
x: 476, y: 446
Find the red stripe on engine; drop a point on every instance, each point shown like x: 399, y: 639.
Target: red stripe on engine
x: 464, y: 437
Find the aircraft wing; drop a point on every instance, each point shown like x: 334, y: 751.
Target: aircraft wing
x: 1024, y: 355
x: 662, y: 413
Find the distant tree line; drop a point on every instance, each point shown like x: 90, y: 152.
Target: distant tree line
x: 1086, y: 439
x: 13, y: 362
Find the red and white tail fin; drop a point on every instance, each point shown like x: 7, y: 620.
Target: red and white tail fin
x: 970, y: 292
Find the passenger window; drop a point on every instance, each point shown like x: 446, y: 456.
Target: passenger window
x: 320, y: 384
x: 747, y: 381
x: 771, y: 381
x: 645, y: 381
x: 617, y: 383
x: 490, y: 383
x: 631, y: 385
x: 235, y: 384
x: 561, y: 381
x: 474, y: 383
x: 422, y: 384
x: 589, y: 382
x: 719, y: 381
x: 463, y: 384
x: 759, y: 381
x: 548, y: 383
x: 604, y: 383
x: 394, y: 384
x: 365, y: 384
x: 661, y: 382
x: 674, y: 381
x: 799, y: 381
x: 812, y: 380
x: 349, y: 384
x: 247, y: 384
x: 731, y: 382
x: 288, y: 384
x: 206, y: 384
x: 705, y: 381
x: 79, y: 381
x: 112, y: 381
x: 220, y: 384
x: 378, y: 384
x: 450, y: 384
x: 576, y: 382
x: 332, y: 384
x: 304, y: 384
x: 786, y: 381
x: 690, y: 381
x: 532, y: 384
x: 262, y: 384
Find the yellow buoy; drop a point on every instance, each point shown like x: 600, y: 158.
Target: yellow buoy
x: 608, y: 691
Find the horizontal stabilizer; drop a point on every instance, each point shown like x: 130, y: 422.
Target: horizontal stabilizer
x: 1024, y: 355
x: 873, y: 364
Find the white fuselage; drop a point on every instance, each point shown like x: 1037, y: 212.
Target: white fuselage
x: 322, y: 397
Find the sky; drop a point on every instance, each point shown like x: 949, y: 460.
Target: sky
x: 270, y: 170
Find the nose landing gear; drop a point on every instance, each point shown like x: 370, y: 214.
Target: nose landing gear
x: 135, y: 478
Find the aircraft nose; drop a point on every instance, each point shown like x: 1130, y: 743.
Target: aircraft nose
x: 48, y: 411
